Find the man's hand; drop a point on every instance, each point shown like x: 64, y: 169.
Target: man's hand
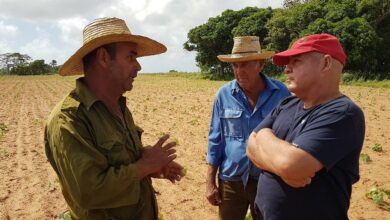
x: 155, y: 158
x: 212, y: 194
x: 172, y: 172
x: 298, y: 183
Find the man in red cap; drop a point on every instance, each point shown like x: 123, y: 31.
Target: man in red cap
x: 309, y: 146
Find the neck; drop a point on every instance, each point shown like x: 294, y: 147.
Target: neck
x: 101, y: 89
x: 253, y: 92
x: 320, y: 99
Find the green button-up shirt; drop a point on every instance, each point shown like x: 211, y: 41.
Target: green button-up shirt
x: 94, y: 153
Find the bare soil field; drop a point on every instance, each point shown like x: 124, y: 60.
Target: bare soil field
x: 160, y: 104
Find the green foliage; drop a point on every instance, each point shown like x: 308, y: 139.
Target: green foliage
x: 184, y: 171
x: 18, y: 64
x: 363, y: 27
x: 64, y: 216
x: 365, y: 157
x: 254, y: 25
x: 214, y: 38
x: 377, y: 147
x: 377, y: 195
x: 360, y: 42
x: 248, y: 215
x: 37, y: 67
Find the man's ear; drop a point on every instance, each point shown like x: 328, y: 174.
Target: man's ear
x: 103, y: 57
x: 327, y: 62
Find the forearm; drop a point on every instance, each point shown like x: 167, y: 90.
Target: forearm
x: 256, y: 154
x: 211, y: 175
x: 283, y: 159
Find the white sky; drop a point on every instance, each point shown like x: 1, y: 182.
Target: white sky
x: 52, y: 29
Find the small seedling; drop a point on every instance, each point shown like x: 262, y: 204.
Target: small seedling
x: 184, y: 171
x: 365, y: 157
x: 177, y: 141
x: 64, y: 216
x: 248, y: 215
x: 377, y: 195
x: 160, y: 216
x: 377, y: 148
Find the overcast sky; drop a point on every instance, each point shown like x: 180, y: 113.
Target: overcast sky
x: 52, y: 29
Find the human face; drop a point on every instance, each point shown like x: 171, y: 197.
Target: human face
x: 124, y: 67
x: 247, y: 73
x: 303, y: 73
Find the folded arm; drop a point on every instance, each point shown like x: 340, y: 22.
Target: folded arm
x: 295, y: 166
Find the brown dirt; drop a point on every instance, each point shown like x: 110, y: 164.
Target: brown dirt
x: 160, y: 104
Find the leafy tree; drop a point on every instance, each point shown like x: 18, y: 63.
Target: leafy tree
x: 254, y: 25
x: 293, y: 3
x: 360, y: 42
x: 37, y: 67
x: 214, y: 38
x: 377, y: 13
x: 9, y: 60
x: 363, y: 27
x: 53, y: 63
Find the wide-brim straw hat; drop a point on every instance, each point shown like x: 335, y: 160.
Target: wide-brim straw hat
x: 246, y: 48
x: 105, y: 31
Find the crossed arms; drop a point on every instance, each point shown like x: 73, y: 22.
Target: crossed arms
x: 295, y: 166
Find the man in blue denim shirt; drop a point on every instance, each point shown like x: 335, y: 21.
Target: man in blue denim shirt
x: 239, y: 107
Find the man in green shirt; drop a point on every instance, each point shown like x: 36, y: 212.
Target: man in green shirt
x: 91, y: 140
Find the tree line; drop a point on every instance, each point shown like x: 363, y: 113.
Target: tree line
x: 22, y: 64
x: 363, y: 27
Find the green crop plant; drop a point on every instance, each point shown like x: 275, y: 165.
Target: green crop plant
x: 365, y: 157
x: 248, y: 215
x: 377, y: 147
x: 378, y: 195
x: 184, y: 171
x: 64, y: 216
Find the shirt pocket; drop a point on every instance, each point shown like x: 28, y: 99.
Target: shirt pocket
x: 115, y: 152
x: 232, y: 123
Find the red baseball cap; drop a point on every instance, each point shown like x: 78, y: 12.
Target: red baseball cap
x: 322, y: 43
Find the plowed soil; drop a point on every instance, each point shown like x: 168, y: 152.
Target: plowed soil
x: 160, y: 104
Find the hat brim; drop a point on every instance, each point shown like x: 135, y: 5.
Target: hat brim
x: 232, y: 58
x: 145, y: 47
x: 283, y: 58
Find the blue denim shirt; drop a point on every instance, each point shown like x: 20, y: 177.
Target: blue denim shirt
x: 233, y: 121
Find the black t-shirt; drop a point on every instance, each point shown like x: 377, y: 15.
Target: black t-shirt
x: 333, y: 133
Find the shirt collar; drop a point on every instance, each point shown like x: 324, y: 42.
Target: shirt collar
x: 270, y: 85
x: 87, y: 98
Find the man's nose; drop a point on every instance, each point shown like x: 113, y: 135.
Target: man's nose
x: 137, y: 65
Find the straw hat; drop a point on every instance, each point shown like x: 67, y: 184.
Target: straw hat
x: 105, y: 31
x: 246, y: 48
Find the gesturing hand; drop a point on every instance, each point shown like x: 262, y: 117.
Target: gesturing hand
x: 173, y: 172
x: 155, y: 158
